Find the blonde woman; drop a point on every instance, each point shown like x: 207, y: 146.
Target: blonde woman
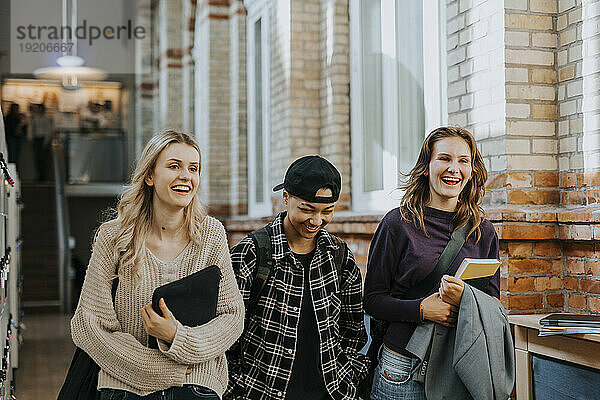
x: 443, y: 193
x: 161, y: 234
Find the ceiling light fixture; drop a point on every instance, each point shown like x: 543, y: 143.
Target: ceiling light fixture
x: 70, y: 71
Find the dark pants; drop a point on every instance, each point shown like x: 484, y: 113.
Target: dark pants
x: 14, y: 148
x: 187, y: 392
x: 41, y: 151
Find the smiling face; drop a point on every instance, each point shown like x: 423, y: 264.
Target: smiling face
x: 304, y: 219
x: 175, y: 176
x: 450, y: 169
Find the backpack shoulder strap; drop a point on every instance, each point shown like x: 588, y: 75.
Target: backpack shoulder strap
x: 338, y: 256
x: 115, y: 283
x: 264, y: 264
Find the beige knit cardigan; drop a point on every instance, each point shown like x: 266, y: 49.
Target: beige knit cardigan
x: 116, y: 339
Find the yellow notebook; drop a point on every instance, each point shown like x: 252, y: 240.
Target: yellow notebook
x: 476, y: 268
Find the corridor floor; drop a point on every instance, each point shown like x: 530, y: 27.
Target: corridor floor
x: 44, y: 357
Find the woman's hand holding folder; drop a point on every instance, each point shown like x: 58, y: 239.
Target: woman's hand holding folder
x: 160, y: 327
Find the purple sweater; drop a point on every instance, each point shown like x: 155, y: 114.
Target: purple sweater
x: 401, y: 256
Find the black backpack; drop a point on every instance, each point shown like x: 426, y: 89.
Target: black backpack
x: 264, y: 263
x: 81, y: 381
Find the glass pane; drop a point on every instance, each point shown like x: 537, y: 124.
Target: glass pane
x: 258, y: 130
x: 411, y: 108
x: 372, y: 129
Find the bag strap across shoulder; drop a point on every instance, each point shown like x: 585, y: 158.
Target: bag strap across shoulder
x: 264, y: 263
x: 450, y: 252
x: 338, y: 256
x: 115, y: 284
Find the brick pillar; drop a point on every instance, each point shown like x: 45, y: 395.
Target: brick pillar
x: 213, y: 100
x: 281, y: 147
x: 187, y: 19
x: 200, y: 58
x: 531, y: 144
x: 541, y: 159
x: 170, y: 64
x: 310, y: 77
x: 579, y: 107
x: 335, y: 91
x: 581, y: 192
x: 145, y: 80
x: 570, y: 86
x: 591, y: 88
x: 475, y: 58
x: 238, y: 202
x: 305, y: 118
x: 156, y: 39
x: 534, y: 279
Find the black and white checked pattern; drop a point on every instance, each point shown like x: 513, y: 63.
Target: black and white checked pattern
x: 268, y: 343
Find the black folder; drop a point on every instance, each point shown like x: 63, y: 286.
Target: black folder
x: 192, y: 300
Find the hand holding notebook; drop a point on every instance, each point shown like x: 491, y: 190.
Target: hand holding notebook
x: 451, y: 289
x: 477, y: 272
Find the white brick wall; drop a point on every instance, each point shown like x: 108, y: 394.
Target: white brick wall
x: 591, y: 84
x: 475, y: 59
x: 570, y: 83
x: 530, y: 44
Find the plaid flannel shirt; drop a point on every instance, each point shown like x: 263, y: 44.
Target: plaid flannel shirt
x: 268, y: 344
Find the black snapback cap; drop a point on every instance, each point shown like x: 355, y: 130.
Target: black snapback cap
x: 306, y: 175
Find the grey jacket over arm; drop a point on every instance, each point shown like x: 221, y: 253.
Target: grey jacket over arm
x: 475, y: 360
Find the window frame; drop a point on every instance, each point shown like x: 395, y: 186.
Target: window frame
x: 257, y: 10
x: 435, y: 82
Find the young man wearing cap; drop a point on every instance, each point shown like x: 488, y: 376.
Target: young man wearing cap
x: 305, y: 328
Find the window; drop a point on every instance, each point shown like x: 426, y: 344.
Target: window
x: 396, y: 96
x: 259, y: 198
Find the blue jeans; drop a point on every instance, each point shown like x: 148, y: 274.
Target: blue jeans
x: 392, y: 380
x: 187, y: 392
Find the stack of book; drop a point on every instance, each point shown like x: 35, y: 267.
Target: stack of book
x: 568, y: 324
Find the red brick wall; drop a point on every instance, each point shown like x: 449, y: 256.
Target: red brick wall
x: 580, y: 189
x: 582, y: 276
x: 549, y: 228
x: 531, y: 275
x: 550, y: 250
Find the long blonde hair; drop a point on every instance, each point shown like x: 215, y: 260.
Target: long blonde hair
x: 417, y: 194
x: 134, y: 211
